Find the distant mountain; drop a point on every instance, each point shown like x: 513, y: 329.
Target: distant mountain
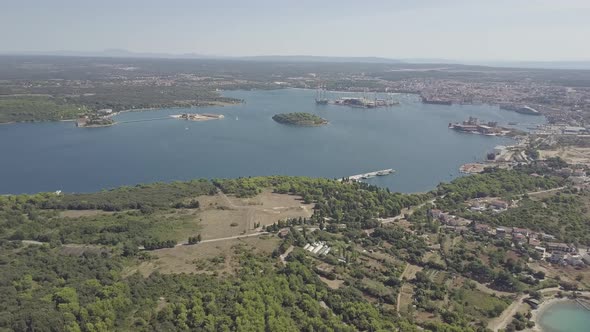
x: 122, y: 53
x: 314, y: 58
x: 585, y: 65
x: 507, y: 64
x: 116, y: 53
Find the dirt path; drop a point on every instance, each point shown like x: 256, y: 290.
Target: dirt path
x: 487, y: 290
x: 399, y: 295
x: 226, y: 238
x: 506, y: 317
x: 228, y: 201
x: 286, y: 254
x: 408, y: 273
x: 545, y: 191
x: 405, y: 211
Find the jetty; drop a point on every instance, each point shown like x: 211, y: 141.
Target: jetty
x: 584, y: 304
x: 368, y: 175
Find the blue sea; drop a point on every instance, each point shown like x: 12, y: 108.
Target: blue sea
x: 411, y: 138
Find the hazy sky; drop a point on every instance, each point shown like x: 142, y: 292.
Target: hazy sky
x: 451, y: 29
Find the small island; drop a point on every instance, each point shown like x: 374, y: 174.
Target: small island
x: 300, y: 119
x: 197, y: 117
x: 94, y: 121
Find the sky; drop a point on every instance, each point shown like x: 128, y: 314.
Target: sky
x: 498, y: 30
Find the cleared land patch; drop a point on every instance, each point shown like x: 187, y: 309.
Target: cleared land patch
x: 82, y: 213
x: 223, y: 216
x: 571, y: 155
x: 214, y: 257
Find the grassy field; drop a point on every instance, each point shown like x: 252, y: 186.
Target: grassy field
x: 570, y: 154
x: 219, y: 217
x: 213, y: 257
x: 222, y: 216
x: 478, y: 304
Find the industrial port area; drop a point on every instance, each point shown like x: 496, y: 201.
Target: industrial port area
x: 562, y: 96
x: 474, y: 126
x: 365, y: 101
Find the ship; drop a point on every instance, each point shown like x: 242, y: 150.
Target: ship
x: 436, y: 101
x: 320, y: 96
x: 521, y: 109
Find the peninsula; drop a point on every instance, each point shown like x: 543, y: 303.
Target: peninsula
x: 300, y: 119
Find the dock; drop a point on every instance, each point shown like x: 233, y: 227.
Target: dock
x: 368, y: 175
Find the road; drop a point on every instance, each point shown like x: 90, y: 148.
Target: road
x: 545, y: 191
x: 404, y: 212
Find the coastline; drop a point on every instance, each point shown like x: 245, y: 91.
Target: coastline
x: 212, y: 104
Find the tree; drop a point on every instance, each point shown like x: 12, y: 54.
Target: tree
x: 194, y: 239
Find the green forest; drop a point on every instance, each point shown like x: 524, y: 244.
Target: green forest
x: 47, y: 288
x: 71, y: 272
x: 38, y: 108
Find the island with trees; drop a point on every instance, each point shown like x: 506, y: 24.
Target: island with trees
x: 300, y: 119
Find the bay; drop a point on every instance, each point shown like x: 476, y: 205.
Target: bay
x: 565, y: 317
x: 411, y: 138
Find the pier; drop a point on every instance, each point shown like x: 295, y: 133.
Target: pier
x: 145, y: 120
x: 363, y: 176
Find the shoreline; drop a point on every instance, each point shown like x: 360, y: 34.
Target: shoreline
x: 212, y: 104
x: 548, y: 303
x: 537, y: 313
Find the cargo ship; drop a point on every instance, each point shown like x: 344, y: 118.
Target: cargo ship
x: 474, y: 126
x: 436, y: 101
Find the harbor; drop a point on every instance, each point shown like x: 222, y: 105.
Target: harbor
x: 355, y: 142
x: 364, y: 176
